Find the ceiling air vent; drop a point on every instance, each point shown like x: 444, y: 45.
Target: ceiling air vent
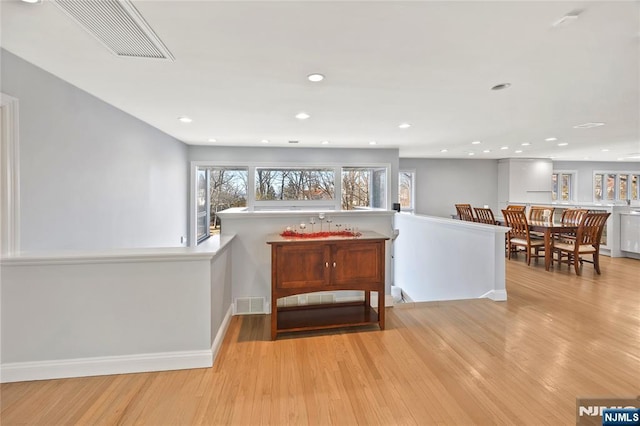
x: 118, y: 25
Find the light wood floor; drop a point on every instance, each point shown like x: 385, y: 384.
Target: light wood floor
x: 523, y: 361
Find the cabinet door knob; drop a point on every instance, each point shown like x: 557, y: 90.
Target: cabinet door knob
x: 326, y: 265
x: 334, y: 264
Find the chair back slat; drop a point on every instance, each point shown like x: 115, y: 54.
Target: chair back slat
x: 484, y: 215
x: 465, y: 212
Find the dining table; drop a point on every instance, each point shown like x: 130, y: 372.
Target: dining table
x: 548, y: 229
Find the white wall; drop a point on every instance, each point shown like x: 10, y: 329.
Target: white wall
x: 91, y: 176
x: 441, y: 183
x: 252, y: 255
x: 115, y: 312
x: 447, y: 259
x: 586, y: 169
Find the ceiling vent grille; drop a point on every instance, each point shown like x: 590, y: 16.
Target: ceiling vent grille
x: 118, y: 26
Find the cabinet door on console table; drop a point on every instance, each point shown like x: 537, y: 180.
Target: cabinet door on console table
x: 301, y: 265
x: 358, y: 264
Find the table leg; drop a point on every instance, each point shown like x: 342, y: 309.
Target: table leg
x: 548, y: 255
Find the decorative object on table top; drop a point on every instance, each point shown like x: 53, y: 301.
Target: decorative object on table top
x: 312, y: 221
x: 293, y: 234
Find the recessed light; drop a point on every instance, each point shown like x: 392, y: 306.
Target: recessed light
x: 372, y: 142
x: 501, y: 86
x: 32, y: 1
x: 315, y: 77
x: 587, y: 125
x: 265, y: 141
x: 444, y: 150
x: 518, y: 151
x: 404, y: 125
x: 486, y: 151
x: 525, y: 144
x: 471, y: 153
x: 563, y: 144
x: 504, y: 147
x: 212, y: 140
x: 551, y: 139
x: 605, y: 150
x: 325, y: 142
x: 475, y: 143
x: 302, y: 116
x: 185, y: 119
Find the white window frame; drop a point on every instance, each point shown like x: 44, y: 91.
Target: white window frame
x: 288, y: 205
x: 617, y: 197
x: 573, y: 193
x: 411, y: 208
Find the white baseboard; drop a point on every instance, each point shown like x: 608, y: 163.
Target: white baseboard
x: 101, y: 366
x: 495, y: 295
x: 217, y: 342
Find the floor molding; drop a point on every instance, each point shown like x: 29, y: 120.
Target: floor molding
x: 217, y: 342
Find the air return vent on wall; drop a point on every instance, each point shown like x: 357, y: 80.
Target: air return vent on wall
x: 118, y: 25
x: 250, y: 305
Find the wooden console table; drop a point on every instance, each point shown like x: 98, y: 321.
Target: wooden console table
x: 301, y: 266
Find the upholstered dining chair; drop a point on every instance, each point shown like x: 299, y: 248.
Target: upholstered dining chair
x: 587, y: 242
x: 484, y: 215
x: 465, y: 212
x: 520, y: 236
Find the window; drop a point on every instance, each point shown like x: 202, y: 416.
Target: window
x: 364, y: 187
x: 281, y: 187
x: 406, y: 194
x: 598, y: 179
x: 294, y: 184
x: 563, y: 185
x: 616, y: 186
x: 218, y: 188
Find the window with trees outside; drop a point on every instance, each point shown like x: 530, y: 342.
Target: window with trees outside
x: 616, y: 186
x: 563, y: 185
x: 364, y: 187
x: 294, y: 184
x: 219, y: 188
x: 406, y: 183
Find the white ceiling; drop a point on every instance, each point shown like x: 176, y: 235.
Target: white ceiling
x: 240, y: 73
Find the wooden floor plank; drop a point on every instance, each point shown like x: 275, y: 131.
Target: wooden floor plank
x: 524, y: 361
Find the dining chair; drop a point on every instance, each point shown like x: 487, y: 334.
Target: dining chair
x: 587, y: 241
x: 520, y: 236
x: 465, y: 212
x: 571, y: 217
x: 541, y: 213
x: 484, y: 215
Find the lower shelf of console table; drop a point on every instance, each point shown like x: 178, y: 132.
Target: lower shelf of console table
x: 321, y: 317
